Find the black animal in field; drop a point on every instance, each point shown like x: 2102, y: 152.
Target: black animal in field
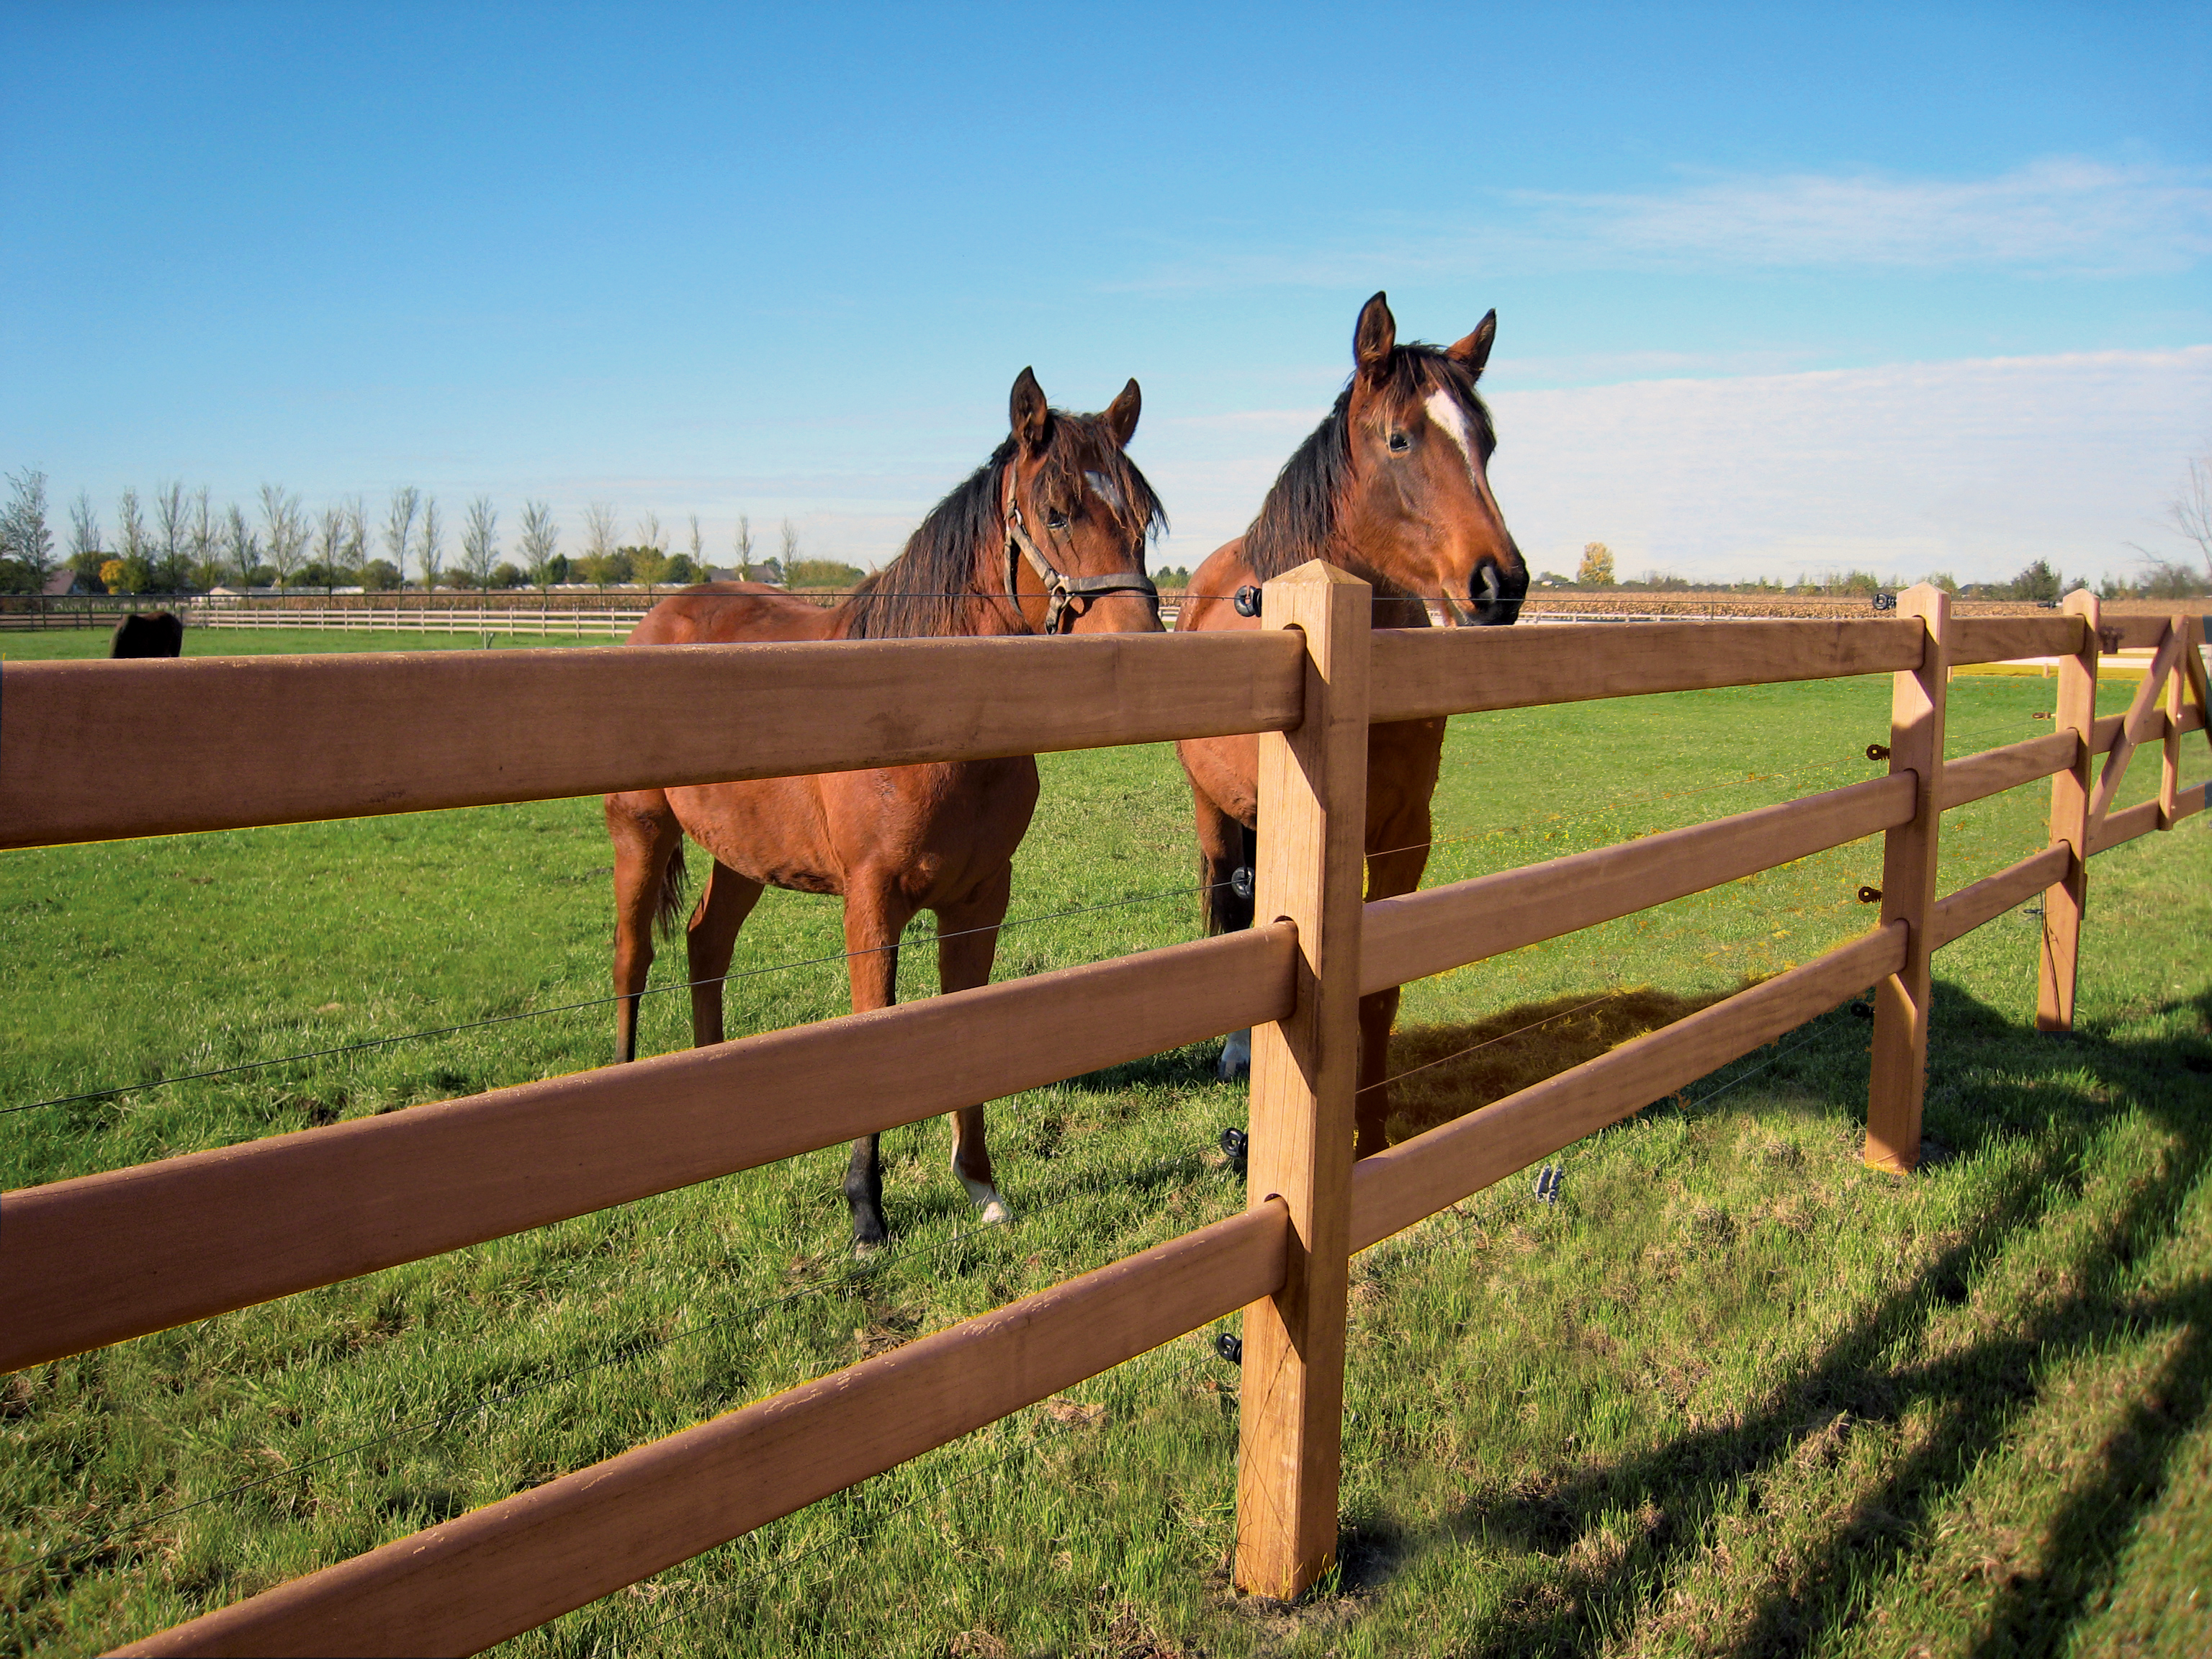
x: 161, y: 635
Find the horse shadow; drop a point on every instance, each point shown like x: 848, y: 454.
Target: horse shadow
x: 1973, y: 1394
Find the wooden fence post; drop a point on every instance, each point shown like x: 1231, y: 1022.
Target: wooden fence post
x: 2064, y: 904
x: 2177, y: 699
x: 1313, y: 810
x: 1899, y: 1078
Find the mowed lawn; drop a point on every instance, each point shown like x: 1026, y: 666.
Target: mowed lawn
x: 1732, y: 1393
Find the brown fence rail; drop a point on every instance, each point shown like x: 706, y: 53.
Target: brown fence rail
x: 103, y: 1258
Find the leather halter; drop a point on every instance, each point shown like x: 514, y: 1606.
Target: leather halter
x: 1067, y: 598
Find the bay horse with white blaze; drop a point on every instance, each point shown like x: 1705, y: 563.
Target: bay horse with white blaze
x: 1393, y: 486
x: 1048, y: 536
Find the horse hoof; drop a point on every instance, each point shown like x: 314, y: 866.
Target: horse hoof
x: 865, y: 1248
x: 1236, y: 1064
x: 986, y: 1197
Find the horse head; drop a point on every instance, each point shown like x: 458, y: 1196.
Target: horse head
x: 1413, y: 503
x: 1077, y: 514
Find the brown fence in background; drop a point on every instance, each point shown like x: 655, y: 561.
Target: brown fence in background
x: 102, y: 1258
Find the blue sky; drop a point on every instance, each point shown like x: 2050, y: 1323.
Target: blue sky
x: 1918, y: 289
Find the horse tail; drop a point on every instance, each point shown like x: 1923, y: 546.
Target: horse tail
x: 1228, y: 909
x: 674, y: 878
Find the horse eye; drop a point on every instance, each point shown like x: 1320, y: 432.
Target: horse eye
x: 1056, y: 519
x: 1400, y: 443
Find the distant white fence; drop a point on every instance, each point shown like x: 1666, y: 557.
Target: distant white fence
x: 579, y: 621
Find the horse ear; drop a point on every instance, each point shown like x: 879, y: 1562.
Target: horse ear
x: 1121, y: 413
x: 1474, y: 350
x: 1028, y: 413
x: 1376, y: 337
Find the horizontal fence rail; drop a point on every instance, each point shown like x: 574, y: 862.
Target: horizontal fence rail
x: 1961, y: 912
x: 1430, y: 932
x: 504, y: 1568
x: 1419, y: 673
x: 97, y: 750
x: 102, y: 1258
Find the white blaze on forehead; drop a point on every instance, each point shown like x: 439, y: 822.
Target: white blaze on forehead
x: 1444, y: 410
x: 1447, y: 412
x: 1104, y: 488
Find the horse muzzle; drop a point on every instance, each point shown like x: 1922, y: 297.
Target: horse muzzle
x: 1494, y: 596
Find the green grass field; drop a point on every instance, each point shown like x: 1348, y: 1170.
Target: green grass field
x: 1732, y: 1394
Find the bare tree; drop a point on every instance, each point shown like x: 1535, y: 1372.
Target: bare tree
x: 205, y: 537
x: 357, y: 537
x: 286, y: 527
x: 241, y: 544
x: 173, y: 527
x: 430, y: 544
x: 649, y: 560
x: 598, y: 541
x: 331, y: 545
x: 480, y: 543
x: 132, y: 541
x: 541, y: 540
x: 399, y: 525
x: 790, y: 544
x: 698, y: 551
x: 23, y: 532
x: 742, y: 543
x: 84, y: 545
x: 2191, y: 512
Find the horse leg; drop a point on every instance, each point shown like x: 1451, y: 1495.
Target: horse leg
x: 876, y: 913
x: 648, y: 851
x: 1224, y: 848
x: 967, y: 941
x: 723, y: 908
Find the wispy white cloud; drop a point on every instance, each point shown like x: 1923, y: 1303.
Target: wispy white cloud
x: 2058, y: 215
x: 2055, y: 217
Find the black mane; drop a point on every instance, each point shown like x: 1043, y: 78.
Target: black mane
x: 1298, y: 521
x: 932, y: 588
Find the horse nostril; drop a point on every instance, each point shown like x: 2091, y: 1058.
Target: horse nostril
x: 1491, y: 589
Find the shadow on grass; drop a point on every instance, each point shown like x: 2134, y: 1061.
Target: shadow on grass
x: 1439, y: 1073
x: 2059, y: 1094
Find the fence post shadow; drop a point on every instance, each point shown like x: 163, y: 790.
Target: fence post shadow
x: 1982, y: 1390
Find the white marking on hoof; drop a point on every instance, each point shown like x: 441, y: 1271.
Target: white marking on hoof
x: 1235, y: 1058
x: 862, y: 1249
x: 986, y: 1197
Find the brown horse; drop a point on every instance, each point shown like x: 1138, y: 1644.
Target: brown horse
x: 1393, y: 486
x: 1048, y: 536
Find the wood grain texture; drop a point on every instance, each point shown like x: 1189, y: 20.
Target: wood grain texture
x: 499, y: 1571
x: 2169, y: 759
x: 1418, y: 1177
x: 1412, y: 937
x: 101, y: 1258
x: 1972, y: 777
x: 1425, y: 672
x: 1898, y: 1077
x: 2142, y: 722
x: 2058, y: 961
x: 215, y: 743
x: 1959, y: 913
x: 2004, y: 639
x: 2131, y: 633
x: 1312, y: 858
x: 2117, y: 829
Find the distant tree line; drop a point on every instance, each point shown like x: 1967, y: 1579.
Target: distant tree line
x: 175, y: 541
